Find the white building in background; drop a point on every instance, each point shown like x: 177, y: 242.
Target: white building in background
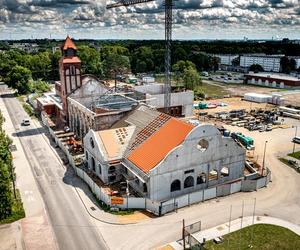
x: 269, y: 63
x: 226, y: 59
x: 27, y: 47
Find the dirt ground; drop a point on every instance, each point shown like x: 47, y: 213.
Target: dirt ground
x: 292, y: 99
x: 234, y: 103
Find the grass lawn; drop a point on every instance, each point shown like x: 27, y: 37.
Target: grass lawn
x: 265, y: 237
x: 290, y: 164
x: 17, y: 211
x: 295, y: 155
x: 212, y: 90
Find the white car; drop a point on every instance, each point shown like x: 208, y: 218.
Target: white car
x: 26, y: 122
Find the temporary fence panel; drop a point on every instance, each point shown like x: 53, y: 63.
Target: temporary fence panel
x: 79, y: 172
x: 196, y: 197
x: 261, y: 182
x: 182, y: 201
x: 133, y: 202
x: 105, y: 197
x: 210, y: 193
x: 268, y: 176
x: 152, y: 206
x: 223, y: 190
x: 248, y: 185
x: 236, y: 187
x: 98, y: 192
x: 168, y: 207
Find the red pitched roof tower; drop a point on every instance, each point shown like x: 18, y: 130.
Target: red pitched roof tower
x: 70, y: 73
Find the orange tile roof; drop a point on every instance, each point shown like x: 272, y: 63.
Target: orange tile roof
x: 69, y: 44
x: 73, y: 59
x: 157, y: 146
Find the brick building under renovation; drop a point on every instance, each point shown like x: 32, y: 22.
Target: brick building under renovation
x: 84, y: 102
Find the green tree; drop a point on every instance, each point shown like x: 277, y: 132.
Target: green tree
x: 40, y: 65
x: 19, y: 78
x: 256, y: 68
x: 6, y: 197
x: 90, y: 61
x: 287, y: 64
x: 191, y: 78
x: 180, y: 67
x: 236, y: 61
x: 179, y: 54
x: 39, y: 86
x: 214, y: 63
x: 115, y: 64
x: 55, y: 57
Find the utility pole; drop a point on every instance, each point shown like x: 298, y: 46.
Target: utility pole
x: 253, y: 217
x: 230, y: 213
x: 295, y: 136
x: 241, y: 224
x: 183, y: 234
x: 264, y: 159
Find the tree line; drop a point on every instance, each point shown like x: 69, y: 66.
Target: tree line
x: 6, y: 174
x: 107, y: 59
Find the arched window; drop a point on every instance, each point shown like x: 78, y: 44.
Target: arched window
x: 93, y: 163
x: 201, y: 178
x: 100, y: 170
x: 175, y: 185
x: 202, y: 145
x: 86, y: 155
x: 188, y: 182
x: 224, y: 172
x: 213, y: 175
x: 92, y: 142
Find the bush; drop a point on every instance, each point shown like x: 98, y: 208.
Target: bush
x: 28, y: 109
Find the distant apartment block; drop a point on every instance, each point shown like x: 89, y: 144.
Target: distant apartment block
x: 226, y: 59
x: 269, y: 63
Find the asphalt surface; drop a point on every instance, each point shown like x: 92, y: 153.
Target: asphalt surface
x: 72, y: 226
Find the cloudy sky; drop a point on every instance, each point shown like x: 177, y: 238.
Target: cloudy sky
x: 193, y: 19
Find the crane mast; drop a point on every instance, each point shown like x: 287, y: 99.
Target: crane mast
x: 168, y: 4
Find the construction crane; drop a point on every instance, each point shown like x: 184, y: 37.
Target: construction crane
x: 168, y: 39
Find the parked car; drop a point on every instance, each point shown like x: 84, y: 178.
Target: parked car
x: 26, y: 122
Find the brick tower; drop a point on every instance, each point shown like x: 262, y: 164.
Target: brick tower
x: 70, y: 74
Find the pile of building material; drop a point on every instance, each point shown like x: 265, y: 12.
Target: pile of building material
x: 290, y: 112
x: 276, y: 99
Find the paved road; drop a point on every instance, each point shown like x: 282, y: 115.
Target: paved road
x: 72, y: 226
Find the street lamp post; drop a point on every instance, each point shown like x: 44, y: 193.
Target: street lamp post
x: 294, y: 140
x: 264, y: 158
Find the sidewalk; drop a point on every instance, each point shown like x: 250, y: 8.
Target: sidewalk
x: 35, y: 228
x: 93, y: 209
x: 235, y: 225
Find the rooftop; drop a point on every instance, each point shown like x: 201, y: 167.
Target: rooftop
x: 274, y: 76
x: 155, y: 148
x: 115, y: 142
x: 73, y: 59
x: 114, y: 102
x: 68, y: 44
